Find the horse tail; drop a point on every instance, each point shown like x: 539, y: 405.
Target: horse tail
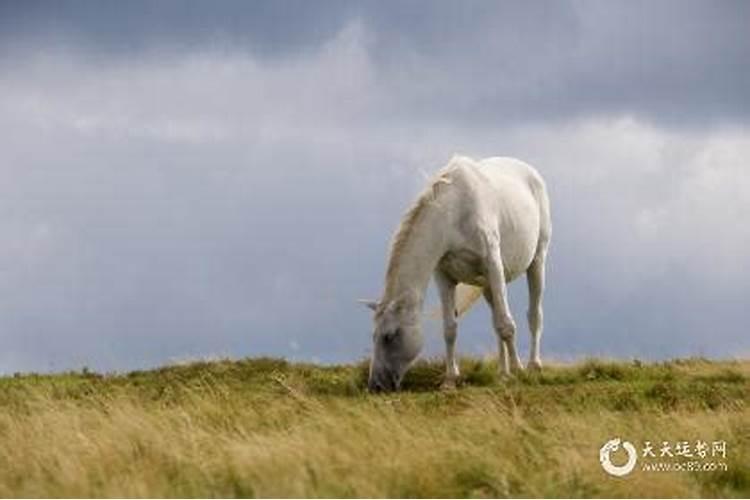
x: 466, y: 297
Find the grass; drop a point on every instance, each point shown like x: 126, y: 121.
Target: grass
x: 269, y: 428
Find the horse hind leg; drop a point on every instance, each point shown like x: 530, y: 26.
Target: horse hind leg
x: 503, y: 367
x: 535, y: 315
x: 496, y: 294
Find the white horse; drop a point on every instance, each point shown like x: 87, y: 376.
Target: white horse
x: 479, y: 223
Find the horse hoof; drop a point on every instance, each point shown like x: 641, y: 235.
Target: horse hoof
x: 535, y: 366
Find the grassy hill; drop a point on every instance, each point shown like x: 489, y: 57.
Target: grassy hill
x: 266, y: 427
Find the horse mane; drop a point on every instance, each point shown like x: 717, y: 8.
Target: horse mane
x: 409, y: 221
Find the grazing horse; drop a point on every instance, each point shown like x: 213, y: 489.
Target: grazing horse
x: 479, y: 223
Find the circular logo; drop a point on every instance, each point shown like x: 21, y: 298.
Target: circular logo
x: 614, y: 445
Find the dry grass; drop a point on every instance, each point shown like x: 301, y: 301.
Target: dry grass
x: 268, y: 428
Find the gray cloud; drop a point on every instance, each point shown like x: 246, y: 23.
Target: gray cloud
x: 679, y: 63
x: 126, y: 29
x: 230, y: 199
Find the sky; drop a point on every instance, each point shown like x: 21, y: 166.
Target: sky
x: 185, y: 180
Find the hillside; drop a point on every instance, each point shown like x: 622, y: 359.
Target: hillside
x: 266, y: 427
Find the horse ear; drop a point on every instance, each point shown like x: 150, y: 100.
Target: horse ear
x: 372, y: 304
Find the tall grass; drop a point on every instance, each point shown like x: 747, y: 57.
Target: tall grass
x: 265, y: 427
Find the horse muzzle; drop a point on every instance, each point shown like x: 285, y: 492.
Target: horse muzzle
x: 384, y: 382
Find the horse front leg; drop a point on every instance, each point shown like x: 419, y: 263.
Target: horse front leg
x: 496, y: 294
x: 447, y: 291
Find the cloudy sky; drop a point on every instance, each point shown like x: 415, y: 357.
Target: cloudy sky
x: 181, y: 180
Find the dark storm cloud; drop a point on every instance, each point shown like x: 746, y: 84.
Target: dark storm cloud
x: 492, y: 62
x: 505, y: 61
x: 682, y: 63
x: 125, y: 28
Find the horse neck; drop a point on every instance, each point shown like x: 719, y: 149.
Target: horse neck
x: 410, y: 269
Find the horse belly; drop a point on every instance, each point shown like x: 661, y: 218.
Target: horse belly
x: 464, y: 266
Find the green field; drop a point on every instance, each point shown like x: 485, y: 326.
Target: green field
x: 266, y: 427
